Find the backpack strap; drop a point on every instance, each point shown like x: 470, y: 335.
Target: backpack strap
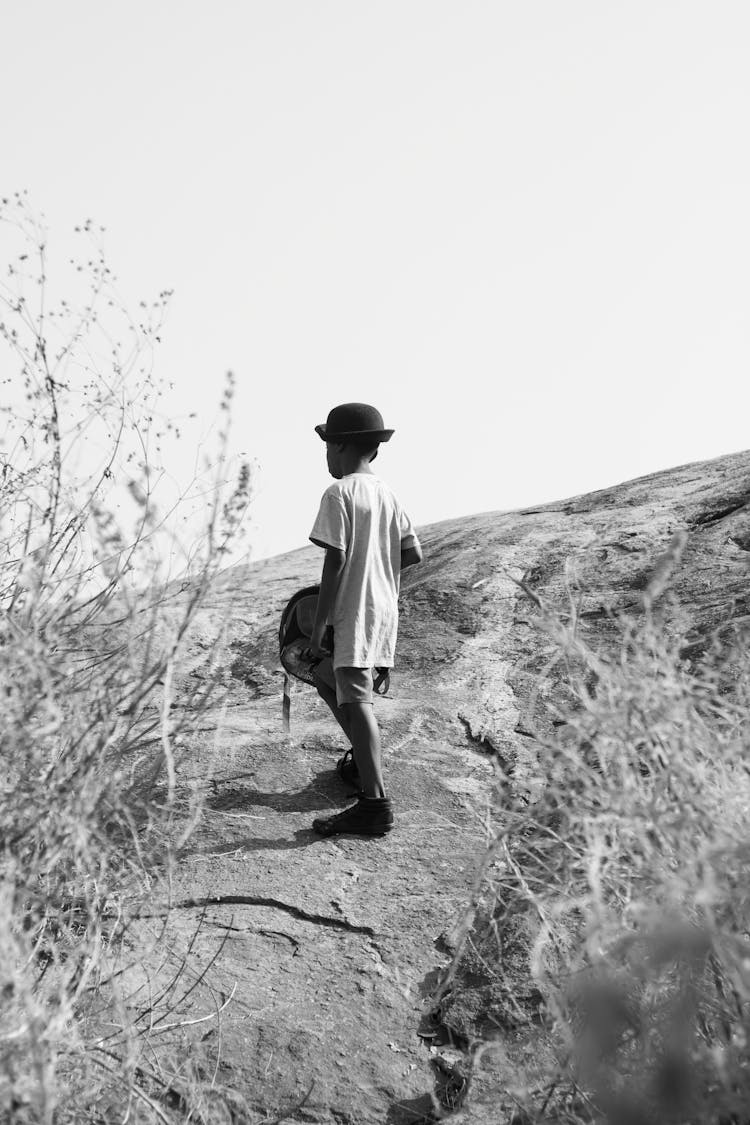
x: 286, y: 705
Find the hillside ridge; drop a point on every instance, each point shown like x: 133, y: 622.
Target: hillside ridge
x: 331, y: 1018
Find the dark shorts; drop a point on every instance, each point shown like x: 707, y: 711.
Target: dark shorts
x: 352, y: 685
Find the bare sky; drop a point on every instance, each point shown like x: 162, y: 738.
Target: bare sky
x: 519, y: 228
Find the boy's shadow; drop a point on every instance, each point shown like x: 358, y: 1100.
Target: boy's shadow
x: 324, y: 793
x: 303, y: 838
x: 414, y: 1111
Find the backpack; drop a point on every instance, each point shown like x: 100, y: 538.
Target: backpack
x: 295, y: 630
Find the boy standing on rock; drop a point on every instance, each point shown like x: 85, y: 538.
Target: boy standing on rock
x: 368, y: 540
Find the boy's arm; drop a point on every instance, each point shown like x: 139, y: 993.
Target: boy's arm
x: 333, y: 565
x: 411, y: 552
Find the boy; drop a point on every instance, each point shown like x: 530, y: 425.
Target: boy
x: 368, y: 540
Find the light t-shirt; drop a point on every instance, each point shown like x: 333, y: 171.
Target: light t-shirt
x: 360, y: 515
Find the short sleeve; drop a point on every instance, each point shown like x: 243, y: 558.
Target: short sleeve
x: 332, y: 524
x: 408, y: 534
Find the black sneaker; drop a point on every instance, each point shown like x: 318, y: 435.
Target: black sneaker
x: 371, y: 816
x: 347, y: 770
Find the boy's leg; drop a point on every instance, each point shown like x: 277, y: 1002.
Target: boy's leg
x: 365, y: 740
x: 372, y: 815
x: 325, y: 685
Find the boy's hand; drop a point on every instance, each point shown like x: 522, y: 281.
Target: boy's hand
x: 318, y: 648
x: 411, y: 555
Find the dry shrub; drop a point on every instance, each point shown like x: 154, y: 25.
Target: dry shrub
x: 626, y: 874
x: 92, y: 623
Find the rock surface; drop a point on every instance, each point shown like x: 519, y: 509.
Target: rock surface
x: 331, y: 949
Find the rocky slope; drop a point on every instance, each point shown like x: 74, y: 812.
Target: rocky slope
x: 332, y: 948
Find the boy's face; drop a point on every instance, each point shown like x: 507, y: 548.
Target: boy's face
x: 333, y: 459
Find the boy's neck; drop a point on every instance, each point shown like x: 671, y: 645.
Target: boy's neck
x: 352, y: 462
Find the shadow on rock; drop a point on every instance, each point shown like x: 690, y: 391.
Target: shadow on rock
x: 310, y: 799
x: 414, y: 1111
x: 303, y: 838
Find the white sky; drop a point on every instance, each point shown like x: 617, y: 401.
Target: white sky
x: 521, y: 229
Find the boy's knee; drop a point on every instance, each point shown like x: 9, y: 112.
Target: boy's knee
x: 324, y: 690
x: 323, y: 676
x: 317, y: 682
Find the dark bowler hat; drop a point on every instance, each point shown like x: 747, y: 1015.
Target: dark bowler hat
x: 353, y: 420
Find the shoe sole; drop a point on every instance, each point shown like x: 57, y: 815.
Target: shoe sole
x: 379, y: 831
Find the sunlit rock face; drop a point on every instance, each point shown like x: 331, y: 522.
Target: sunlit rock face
x: 333, y: 947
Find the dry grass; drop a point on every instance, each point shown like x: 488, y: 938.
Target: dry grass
x: 615, y: 914
x: 91, y: 635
